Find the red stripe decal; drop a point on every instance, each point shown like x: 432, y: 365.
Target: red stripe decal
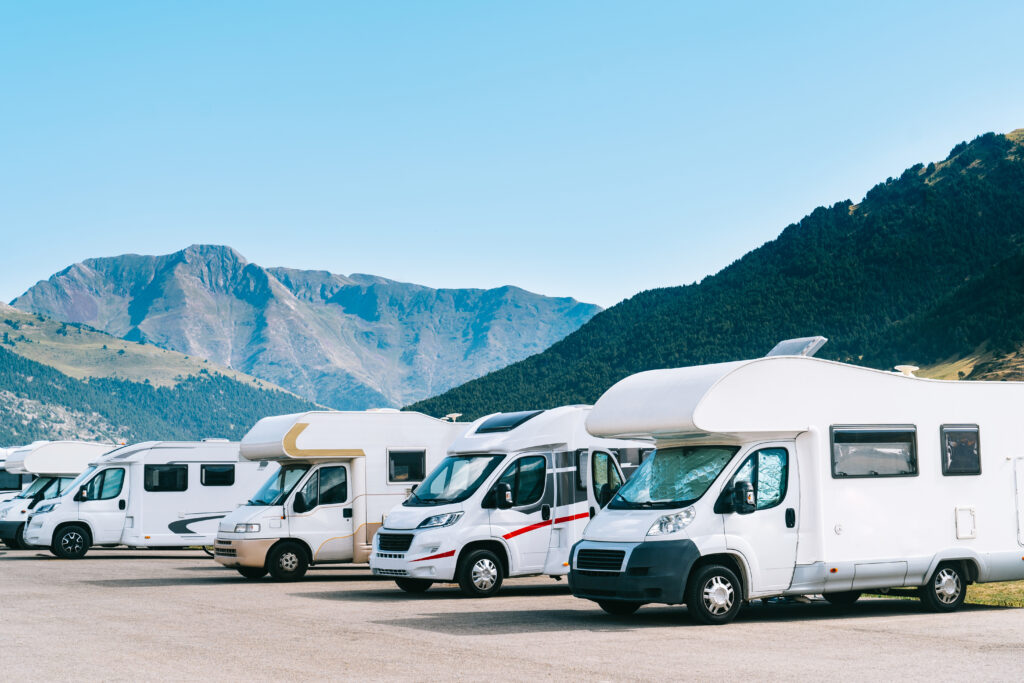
x: 450, y: 553
x: 538, y: 525
x: 571, y: 518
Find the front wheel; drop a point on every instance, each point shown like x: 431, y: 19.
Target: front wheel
x: 480, y: 574
x: 842, y: 599
x: 71, y: 542
x: 618, y: 608
x: 288, y: 562
x: 414, y: 585
x: 252, y: 572
x: 946, y: 590
x: 714, y: 595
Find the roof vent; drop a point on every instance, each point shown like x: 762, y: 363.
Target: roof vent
x: 506, y: 422
x: 907, y: 370
x: 452, y: 417
x: 804, y: 346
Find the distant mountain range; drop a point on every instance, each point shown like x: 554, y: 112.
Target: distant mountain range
x: 928, y: 269
x: 347, y: 342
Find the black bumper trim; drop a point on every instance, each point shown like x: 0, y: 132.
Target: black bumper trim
x: 656, y: 572
x: 8, y: 529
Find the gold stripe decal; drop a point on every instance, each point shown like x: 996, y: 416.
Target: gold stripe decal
x: 290, y: 447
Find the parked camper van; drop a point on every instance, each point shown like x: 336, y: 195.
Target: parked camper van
x: 156, y: 494
x: 340, y: 473
x: 791, y: 475
x: 11, y: 484
x: 54, y: 464
x: 510, y: 499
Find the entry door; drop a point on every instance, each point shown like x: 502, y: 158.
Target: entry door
x: 326, y: 523
x: 526, y: 526
x: 105, y: 504
x: 767, y: 537
x: 1019, y: 480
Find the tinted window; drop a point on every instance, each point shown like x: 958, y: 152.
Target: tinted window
x: 8, y: 481
x: 165, y: 477
x: 310, y: 491
x: 105, y: 485
x: 217, y: 475
x: 506, y: 422
x: 606, y: 477
x: 406, y: 466
x: 961, y: 450
x: 873, y: 452
x: 333, y: 485
x: 526, y: 478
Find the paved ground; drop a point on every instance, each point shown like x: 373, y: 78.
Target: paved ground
x: 143, y: 615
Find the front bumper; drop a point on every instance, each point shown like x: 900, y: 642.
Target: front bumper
x: 10, y: 529
x: 653, y: 572
x: 244, y: 552
x: 427, y: 556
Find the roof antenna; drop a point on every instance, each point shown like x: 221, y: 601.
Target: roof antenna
x: 804, y: 346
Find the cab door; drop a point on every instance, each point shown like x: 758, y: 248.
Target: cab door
x: 526, y: 526
x: 605, y: 479
x: 104, y: 507
x: 321, y: 514
x: 766, y: 537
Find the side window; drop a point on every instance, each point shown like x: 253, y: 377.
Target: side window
x: 874, y: 452
x: 105, y: 485
x: 407, y: 466
x: 217, y: 475
x: 961, y: 450
x: 333, y: 485
x: 165, y: 477
x: 526, y: 478
x: 311, y: 491
x: 606, y: 477
x: 767, y: 471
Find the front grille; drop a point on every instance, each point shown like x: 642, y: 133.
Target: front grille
x: 601, y: 560
x: 225, y: 552
x: 390, y: 572
x: 391, y: 556
x: 394, y: 542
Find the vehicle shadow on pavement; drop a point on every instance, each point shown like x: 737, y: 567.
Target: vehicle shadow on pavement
x: 35, y: 556
x: 443, y: 593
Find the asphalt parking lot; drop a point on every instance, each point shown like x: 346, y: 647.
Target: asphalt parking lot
x: 131, y: 615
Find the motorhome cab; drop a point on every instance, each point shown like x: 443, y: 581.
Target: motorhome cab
x: 156, y: 494
x: 340, y: 473
x: 54, y: 464
x: 11, y: 484
x: 510, y: 499
x: 792, y: 475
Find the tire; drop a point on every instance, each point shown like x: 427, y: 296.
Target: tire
x: 287, y: 562
x: 618, y: 608
x: 10, y: 543
x: 414, y: 585
x: 842, y: 599
x: 945, y: 590
x: 252, y: 572
x: 714, y: 595
x: 71, y: 543
x: 480, y: 574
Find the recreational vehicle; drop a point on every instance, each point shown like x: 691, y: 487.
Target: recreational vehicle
x: 790, y: 475
x: 54, y: 464
x: 340, y: 473
x: 510, y: 499
x: 11, y: 484
x: 158, y: 494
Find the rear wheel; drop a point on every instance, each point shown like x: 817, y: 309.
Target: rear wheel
x: 618, y: 608
x: 843, y: 599
x: 946, y: 590
x: 71, y: 542
x: 414, y: 585
x: 252, y: 572
x: 714, y: 595
x: 288, y: 562
x: 480, y: 574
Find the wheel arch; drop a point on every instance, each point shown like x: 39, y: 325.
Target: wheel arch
x: 492, y: 544
x: 298, y: 541
x: 79, y: 523
x: 730, y: 560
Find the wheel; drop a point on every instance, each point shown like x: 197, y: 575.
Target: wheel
x: 842, y: 599
x: 946, y: 590
x: 287, y: 562
x: 252, y: 572
x: 618, y: 608
x: 71, y: 542
x: 714, y: 595
x: 480, y: 574
x: 414, y: 585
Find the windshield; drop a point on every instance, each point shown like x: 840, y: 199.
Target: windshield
x: 47, y: 488
x: 78, y: 481
x: 454, y: 480
x: 279, y: 485
x: 673, y: 477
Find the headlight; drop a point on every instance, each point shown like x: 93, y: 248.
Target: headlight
x: 43, y: 509
x: 246, y: 528
x: 3, y: 513
x: 670, y: 524
x: 446, y: 519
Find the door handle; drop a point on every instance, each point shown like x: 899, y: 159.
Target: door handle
x: 121, y: 505
x: 790, y: 518
x: 545, y: 512
x: 347, y: 513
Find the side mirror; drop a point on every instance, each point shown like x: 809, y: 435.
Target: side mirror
x: 743, y: 499
x: 414, y: 487
x: 503, y: 496
x: 82, y: 495
x: 299, y: 504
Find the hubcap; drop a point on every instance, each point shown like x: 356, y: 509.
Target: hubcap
x: 484, y: 574
x: 72, y: 542
x: 947, y: 586
x: 718, y: 595
x: 289, y: 562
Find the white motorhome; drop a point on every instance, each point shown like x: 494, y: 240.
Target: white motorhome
x: 510, y: 499
x: 158, y: 494
x: 340, y: 473
x: 54, y: 464
x: 791, y: 475
x: 11, y: 484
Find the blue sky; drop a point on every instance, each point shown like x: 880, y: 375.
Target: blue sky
x: 585, y: 149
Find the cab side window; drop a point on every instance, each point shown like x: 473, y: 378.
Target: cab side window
x: 526, y: 479
x: 333, y: 485
x: 767, y: 471
x: 105, y: 485
x: 606, y: 477
x: 311, y: 491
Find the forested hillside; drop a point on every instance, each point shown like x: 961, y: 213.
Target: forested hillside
x: 926, y: 267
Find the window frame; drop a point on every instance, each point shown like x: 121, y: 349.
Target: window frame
x: 320, y: 481
x: 958, y: 427
x: 102, y: 476
x: 423, y: 462
x: 874, y: 428
x: 205, y: 466
x: 515, y: 487
x: 145, y: 478
x: 612, y: 464
x: 754, y: 455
